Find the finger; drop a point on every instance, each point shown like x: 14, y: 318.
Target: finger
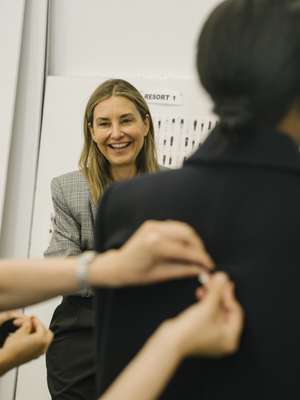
x: 4, y: 316
x: 172, y: 239
x: 215, y: 290
x: 38, y: 326
x: 179, y: 232
x: 204, y: 278
x: 229, y: 299
x: 7, y: 315
x: 169, y: 271
x: 234, y: 326
x: 15, y: 314
x: 174, y: 250
x: 26, y: 327
x: 234, y: 313
x: 228, y: 296
x: 19, y: 321
x: 44, y: 339
x: 49, y: 337
x: 232, y: 306
x: 200, y: 293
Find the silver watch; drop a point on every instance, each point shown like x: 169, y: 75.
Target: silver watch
x: 84, y: 261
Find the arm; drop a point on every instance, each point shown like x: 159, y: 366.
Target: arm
x: 173, y: 251
x: 150, y: 371
x: 211, y: 328
x: 65, y: 239
x: 24, y: 282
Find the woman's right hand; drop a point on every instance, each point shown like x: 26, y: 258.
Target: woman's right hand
x: 211, y: 327
x: 156, y: 252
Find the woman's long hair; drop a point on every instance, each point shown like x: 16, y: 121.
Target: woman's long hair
x: 92, y: 163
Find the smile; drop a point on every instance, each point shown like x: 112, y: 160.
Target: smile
x: 118, y: 146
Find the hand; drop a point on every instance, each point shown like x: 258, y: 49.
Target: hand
x: 158, y: 251
x: 212, y: 327
x: 30, y: 341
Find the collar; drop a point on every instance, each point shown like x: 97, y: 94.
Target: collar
x: 262, y: 147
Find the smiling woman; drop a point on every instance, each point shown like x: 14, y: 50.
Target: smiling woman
x: 119, y: 132
x: 116, y: 115
x: 118, y: 145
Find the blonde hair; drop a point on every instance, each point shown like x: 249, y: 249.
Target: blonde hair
x: 92, y: 163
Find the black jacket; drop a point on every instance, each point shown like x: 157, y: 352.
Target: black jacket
x: 243, y: 197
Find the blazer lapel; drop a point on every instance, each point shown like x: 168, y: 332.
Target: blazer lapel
x: 93, y: 209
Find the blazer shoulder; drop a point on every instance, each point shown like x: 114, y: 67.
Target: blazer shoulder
x: 70, y: 184
x: 73, y: 177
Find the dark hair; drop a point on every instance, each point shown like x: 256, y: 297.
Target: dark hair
x: 248, y: 60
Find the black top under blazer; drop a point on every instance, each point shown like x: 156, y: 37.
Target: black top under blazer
x: 243, y: 197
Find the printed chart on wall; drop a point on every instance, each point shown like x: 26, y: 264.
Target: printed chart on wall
x: 177, y: 137
x: 182, y: 121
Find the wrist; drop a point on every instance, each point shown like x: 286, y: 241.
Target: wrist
x: 171, y: 340
x: 178, y: 336
x: 103, y: 270
x: 84, y: 263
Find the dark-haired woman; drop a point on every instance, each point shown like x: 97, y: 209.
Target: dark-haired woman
x: 241, y: 192
x: 248, y: 60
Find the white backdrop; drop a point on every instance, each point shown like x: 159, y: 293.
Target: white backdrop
x: 138, y: 37
x: 11, y: 25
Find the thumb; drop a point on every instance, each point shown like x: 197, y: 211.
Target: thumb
x: 38, y: 327
x: 215, y: 290
x: 230, y: 301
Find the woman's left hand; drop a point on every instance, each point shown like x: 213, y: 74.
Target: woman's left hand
x: 213, y: 326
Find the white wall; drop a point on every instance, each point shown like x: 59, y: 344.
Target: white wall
x: 88, y: 38
x: 15, y: 235
x: 25, y: 128
x: 11, y: 27
x: 133, y: 37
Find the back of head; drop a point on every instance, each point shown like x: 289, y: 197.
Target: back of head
x: 248, y: 60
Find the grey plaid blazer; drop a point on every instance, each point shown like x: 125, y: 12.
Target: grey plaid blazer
x: 74, y: 219
x: 73, y: 223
